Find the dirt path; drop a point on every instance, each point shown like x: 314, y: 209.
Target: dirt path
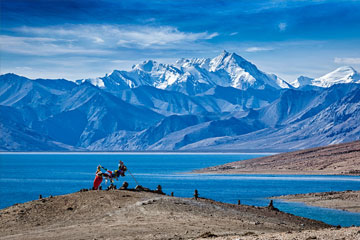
x: 140, y: 215
x: 340, y: 159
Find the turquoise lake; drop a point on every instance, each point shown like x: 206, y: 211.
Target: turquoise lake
x: 24, y: 176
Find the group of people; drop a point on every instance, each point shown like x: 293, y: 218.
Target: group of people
x: 108, y: 175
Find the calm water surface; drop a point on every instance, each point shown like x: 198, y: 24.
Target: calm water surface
x: 24, y: 176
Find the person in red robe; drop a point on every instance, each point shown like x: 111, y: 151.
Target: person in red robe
x: 98, y: 178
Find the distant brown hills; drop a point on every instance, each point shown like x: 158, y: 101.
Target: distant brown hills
x: 338, y: 159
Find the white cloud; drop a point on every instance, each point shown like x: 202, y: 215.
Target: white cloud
x: 44, y: 46
x: 114, y: 36
x: 234, y: 33
x: 282, y: 26
x: 211, y: 36
x: 145, y: 37
x: 74, y: 51
x: 23, y: 68
x: 258, y: 49
x: 98, y: 40
x: 347, y: 60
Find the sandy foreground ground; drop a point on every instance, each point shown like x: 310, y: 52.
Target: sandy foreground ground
x: 125, y: 214
x: 339, y: 159
x: 352, y: 233
x: 346, y: 200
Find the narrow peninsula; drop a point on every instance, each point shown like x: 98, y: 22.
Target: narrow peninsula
x: 338, y: 159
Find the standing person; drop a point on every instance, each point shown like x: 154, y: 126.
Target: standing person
x: 98, y: 178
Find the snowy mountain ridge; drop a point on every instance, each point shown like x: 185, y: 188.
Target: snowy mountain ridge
x: 197, y: 75
x: 192, y: 76
x: 224, y: 103
x: 344, y: 74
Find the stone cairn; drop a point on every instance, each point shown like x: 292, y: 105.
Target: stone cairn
x: 159, y: 190
x: 196, y: 194
x: 124, y: 186
x: 271, y: 206
x: 111, y: 187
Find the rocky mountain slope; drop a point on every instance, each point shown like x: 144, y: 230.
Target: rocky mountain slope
x: 225, y: 103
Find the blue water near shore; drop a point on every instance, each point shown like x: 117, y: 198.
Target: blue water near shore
x: 24, y: 176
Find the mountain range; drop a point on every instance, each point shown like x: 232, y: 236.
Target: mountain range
x: 225, y: 103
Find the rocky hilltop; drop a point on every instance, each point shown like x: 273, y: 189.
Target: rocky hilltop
x: 123, y: 214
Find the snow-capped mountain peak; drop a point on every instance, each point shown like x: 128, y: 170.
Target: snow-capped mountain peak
x: 115, y: 113
x: 225, y: 61
x: 186, y: 63
x: 302, y: 81
x: 345, y: 74
x: 94, y: 81
x: 243, y: 74
x: 149, y: 66
x: 191, y: 76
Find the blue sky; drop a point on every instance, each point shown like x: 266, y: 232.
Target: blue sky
x: 80, y: 39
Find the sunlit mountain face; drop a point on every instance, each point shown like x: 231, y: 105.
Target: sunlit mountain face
x: 223, y: 103
x: 153, y: 75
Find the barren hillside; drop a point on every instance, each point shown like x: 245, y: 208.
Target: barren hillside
x: 125, y: 214
x: 339, y: 159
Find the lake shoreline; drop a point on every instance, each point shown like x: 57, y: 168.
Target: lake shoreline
x: 337, y: 159
x: 269, y: 172
x: 147, y: 215
x: 141, y: 214
x: 142, y: 153
x: 344, y: 200
x: 61, y: 174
